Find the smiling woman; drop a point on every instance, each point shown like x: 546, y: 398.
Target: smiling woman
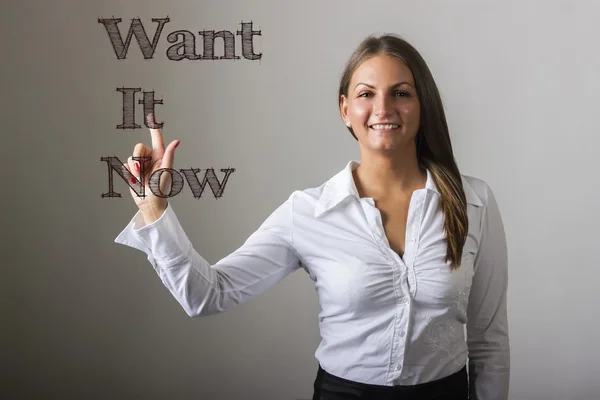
x: 404, y: 251
x: 382, y: 105
x: 391, y: 105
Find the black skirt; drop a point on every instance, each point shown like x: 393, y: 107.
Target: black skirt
x: 330, y: 387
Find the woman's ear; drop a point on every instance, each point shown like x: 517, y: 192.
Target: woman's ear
x: 344, y: 110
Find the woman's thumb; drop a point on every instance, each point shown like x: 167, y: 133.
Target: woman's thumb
x: 169, y: 155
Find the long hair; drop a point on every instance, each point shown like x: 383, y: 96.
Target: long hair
x: 434, y: 149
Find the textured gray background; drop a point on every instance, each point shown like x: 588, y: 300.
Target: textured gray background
x: 85, y: 318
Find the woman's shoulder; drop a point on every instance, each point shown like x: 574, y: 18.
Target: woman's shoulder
x: 477, y: 189
x: 307, y: 200
x: 325, y: 195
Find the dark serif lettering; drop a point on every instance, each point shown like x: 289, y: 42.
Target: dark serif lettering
x: 189, y: 174
x: 184, y: 41
x: 148, y: 102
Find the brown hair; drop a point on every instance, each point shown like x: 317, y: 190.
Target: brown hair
x: 434, y: 149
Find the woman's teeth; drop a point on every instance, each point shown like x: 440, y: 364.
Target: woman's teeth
x: 384, y: 126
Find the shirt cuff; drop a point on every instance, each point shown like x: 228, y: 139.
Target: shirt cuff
x: 163, y: 240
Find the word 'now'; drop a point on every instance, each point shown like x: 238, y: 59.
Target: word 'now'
x: 139, y: 187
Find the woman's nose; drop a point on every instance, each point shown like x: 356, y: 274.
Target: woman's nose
x: 382, y: 106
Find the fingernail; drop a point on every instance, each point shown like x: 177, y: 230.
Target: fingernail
x: 133, y: 180
x: 137, y: 166
x: 177, y: 144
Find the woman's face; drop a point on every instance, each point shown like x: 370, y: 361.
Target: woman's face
x: 382, y: 106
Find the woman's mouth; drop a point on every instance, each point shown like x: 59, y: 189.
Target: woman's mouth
x: 384, y: 127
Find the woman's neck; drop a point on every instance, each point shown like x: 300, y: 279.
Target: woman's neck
x: 379, y: 176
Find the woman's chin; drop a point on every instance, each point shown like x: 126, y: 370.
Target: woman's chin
x: 383, y: 145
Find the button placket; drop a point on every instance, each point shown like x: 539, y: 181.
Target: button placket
x: 370, y: 213
x: 415, y: 222
x: 403, y: 279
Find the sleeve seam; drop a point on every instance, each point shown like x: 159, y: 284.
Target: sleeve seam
x: 169, y: 263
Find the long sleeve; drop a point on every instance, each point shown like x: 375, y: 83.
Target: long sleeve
x: 265, y: 258
x: 487, y: 326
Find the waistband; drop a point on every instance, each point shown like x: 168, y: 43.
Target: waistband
x: 457, y: 380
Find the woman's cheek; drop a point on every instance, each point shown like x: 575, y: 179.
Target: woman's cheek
x: 411, y: 110
x: 411, y: 114
x: 361, y: 112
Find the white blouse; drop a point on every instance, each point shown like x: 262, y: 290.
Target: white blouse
x: 384, y: 319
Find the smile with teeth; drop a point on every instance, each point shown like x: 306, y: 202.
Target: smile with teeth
x: 383, y: 127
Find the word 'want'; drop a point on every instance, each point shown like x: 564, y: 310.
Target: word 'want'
x: 184, y: 46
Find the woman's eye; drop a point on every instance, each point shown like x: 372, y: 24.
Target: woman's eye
x: 398, y: 94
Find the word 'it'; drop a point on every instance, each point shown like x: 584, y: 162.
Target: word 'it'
x: 148, y: 101
x: 184, y: 42
x: 139, y: 187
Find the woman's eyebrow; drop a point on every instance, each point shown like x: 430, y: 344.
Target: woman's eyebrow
x: 373, y: 87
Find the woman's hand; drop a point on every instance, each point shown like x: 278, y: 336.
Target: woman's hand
x: 151, y: 206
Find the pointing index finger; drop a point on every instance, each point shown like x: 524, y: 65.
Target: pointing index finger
x: 155, y: 133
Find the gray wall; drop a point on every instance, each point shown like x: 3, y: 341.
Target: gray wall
x: 86, y: 318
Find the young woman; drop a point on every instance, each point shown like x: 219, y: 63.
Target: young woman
x: 403, y: 249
